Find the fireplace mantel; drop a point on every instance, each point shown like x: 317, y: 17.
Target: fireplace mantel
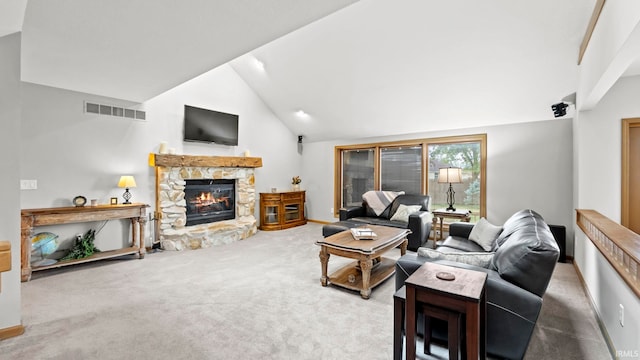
x: 204, y: 161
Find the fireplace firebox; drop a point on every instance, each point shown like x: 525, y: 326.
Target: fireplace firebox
x: 210, y: 200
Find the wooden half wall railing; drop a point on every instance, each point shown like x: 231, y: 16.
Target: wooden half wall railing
x: 619, y: 245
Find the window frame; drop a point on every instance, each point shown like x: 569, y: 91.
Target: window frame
x: 424, y: 143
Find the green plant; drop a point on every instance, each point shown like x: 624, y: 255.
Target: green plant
x: 472, y: 193
x: 83, y: 246
x: 296, y: 180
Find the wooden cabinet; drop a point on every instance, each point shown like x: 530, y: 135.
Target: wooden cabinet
x: 32, y: 218
x: 5, y: 258
x: 281, y: 210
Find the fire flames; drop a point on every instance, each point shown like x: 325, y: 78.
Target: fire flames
x: 206, y: 199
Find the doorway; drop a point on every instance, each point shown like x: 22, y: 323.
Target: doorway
x: 631, y: 174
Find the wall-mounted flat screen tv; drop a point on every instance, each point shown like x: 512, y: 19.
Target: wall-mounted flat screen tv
x: 203, y: 125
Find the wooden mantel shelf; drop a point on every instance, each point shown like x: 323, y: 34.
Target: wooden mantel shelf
x: 204, y: 161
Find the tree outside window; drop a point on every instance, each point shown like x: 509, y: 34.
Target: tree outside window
x: 466, y: 156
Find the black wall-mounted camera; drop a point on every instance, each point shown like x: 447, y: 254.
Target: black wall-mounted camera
x: 559, y: 109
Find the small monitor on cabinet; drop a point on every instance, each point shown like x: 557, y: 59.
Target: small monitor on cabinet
x: 209, y: 126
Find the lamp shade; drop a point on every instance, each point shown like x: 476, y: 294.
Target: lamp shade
x: 450, y: 175
x: 127, y: 181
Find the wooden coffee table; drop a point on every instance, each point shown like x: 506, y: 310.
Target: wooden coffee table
x: 371, y: 268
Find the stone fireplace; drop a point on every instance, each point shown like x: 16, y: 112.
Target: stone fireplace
x: 172, y: 174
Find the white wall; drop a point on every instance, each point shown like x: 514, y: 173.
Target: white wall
x: 9, y: 181
x: 598, y: 135
x: 72, y: 153
x: 263, y: 134
x: 607, y: 292
x: 613, y: 46
x: 603, y: 100
x: 529, y: 166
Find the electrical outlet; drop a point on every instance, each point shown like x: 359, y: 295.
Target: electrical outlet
x: 621, y: 315
x: 331, y: 211
x: 28, y: 184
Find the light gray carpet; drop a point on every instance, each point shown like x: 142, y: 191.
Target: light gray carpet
x: 258, y: 298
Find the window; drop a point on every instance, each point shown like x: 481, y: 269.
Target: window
x: 464, y: 155
x: 401, y: 169
x: 412, y: 166
x: 357, y: 175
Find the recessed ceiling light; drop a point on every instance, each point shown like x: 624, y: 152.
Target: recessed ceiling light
x: 302, y: 114
x: 258, y: 64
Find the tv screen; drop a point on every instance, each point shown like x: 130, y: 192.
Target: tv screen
x: 210, y: 126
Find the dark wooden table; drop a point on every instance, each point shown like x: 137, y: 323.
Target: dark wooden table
x: 465, y: 295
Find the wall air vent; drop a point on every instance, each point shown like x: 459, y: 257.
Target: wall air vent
x: 117, y: 111
x: 92, y: 108
x: 105, y: 110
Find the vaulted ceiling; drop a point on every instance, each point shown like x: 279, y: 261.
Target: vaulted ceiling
x: 356, y: 68
x: 135, y: 50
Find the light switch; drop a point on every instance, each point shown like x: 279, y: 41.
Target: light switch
x: 28, y: 184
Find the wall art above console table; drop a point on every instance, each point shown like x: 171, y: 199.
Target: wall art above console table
x: 31, y: 218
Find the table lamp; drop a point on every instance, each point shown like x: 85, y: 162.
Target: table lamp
x: 451, y: 175
x: 127, y: 181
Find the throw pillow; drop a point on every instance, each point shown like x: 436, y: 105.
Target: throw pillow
x: 485, y: 234
x: 480, y: 259
x: 403, y: 212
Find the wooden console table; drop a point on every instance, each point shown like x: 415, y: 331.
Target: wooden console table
x: 31, y: 218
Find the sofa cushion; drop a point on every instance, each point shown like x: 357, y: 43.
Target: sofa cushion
x: 513, y: 224
x: 403, y: 211
x: 410, y: 199
x: 484, y: 234
x: 379, y: 221
x: 458, y: 244
x: 528, y: 255
x: 480, y: 259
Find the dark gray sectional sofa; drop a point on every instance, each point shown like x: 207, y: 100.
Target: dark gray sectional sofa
x: 519, y: 269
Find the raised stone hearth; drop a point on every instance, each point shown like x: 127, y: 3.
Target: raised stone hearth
x: 171, y: 173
